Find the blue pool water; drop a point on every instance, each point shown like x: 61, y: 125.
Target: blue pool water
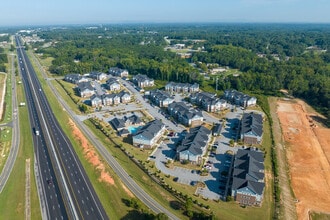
x: 133, y: 129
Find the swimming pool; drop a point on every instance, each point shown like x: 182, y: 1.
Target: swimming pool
x: 133, y: 129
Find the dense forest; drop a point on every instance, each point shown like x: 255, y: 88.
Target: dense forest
x: 270, y: 56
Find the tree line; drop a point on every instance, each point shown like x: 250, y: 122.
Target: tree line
x: 294, y: 57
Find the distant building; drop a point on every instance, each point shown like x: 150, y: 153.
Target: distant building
x: 160, y: 98
x: 181, y: 87
x: 248, y: 177
x: 75, y: 78
x: 96, y: 101
x: 125, y: 97
x: 194, y: 145
x: 149, y: 134
x: 208, y: 101
x: 85, y: 89
x: 98, y: 75
x: 115, y: 71
x: 112, y: 84
x: 143, y: 81
x: 111, y: 99
x: 251, y: 128
x: 239, y: 98
x: 185, y: 115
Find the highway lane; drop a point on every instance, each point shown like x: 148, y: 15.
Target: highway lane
x: 53, y: 201
x: 84, y: 201
x: 8, y: 167
x: 127, y: 180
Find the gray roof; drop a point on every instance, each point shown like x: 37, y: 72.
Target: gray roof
x: 84, y: 86
x: 248, y: 167
x: 180, y: 108
x: 93, y: 97
x: 150, y: 130
x: 117, y: 123
x: 252, y: 122
x: 195, y: 140
x: 112, y: 80
x: 72, y: 77
x: 159, y: 95
x: 116, y: 70
x: 95, y: 74
x: 141, y: 78
x: 122, y: 93
x: 256, y: 187
x: 134, y: 119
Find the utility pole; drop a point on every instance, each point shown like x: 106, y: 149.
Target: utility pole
x: 216, y: 85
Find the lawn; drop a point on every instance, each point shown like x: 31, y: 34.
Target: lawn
x: 153, y: 189
x: 319, y: 216
x: 5, y: 145
x: 73, y: 106
x: 8, y: 100
x: 13, y: 196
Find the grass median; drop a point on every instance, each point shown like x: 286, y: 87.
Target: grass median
x: 12, y: 198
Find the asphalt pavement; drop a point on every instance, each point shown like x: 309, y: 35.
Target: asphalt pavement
x: 9, y: 164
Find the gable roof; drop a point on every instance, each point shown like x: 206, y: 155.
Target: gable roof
x: 141, y: 78
x: 85, y: 86
x: 256, y: 187
x: 248, y: 170
x: 117, y: 123
x: 95, y: 97
x: 252, y: 122
x: 151, y: 129
x: 180, y: 108
x: 133, y: 119
x: 195, y: 141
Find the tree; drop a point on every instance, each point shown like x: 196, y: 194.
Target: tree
x: 161, y: 216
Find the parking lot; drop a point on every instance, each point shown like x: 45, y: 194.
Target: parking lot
x: 218, y: 163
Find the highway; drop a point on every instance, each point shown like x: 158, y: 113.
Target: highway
x: 123, y: 175
x: 8, y: 167
x: 65, y: 188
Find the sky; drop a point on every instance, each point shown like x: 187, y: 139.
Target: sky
x: 54, y: 12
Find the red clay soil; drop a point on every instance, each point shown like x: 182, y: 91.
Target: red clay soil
x: 308, y: 155
x: 91, y: 155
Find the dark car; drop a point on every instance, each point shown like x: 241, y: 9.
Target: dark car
x: 49, y: 182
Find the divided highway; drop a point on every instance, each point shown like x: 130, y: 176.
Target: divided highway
x: 123, y: 175
x: 66, y: 189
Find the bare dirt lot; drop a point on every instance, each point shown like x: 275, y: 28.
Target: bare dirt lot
x: 91, y: 155
x: 308, y: 155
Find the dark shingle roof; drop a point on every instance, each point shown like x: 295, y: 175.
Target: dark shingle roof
x: 117, y: 123
x: 151, y: 129
x: 85, y: 85
x: 256, y: 187
x: 248, y: 167
x: 195, y: 140
x: 134, y: 119
x: 252, y: 122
